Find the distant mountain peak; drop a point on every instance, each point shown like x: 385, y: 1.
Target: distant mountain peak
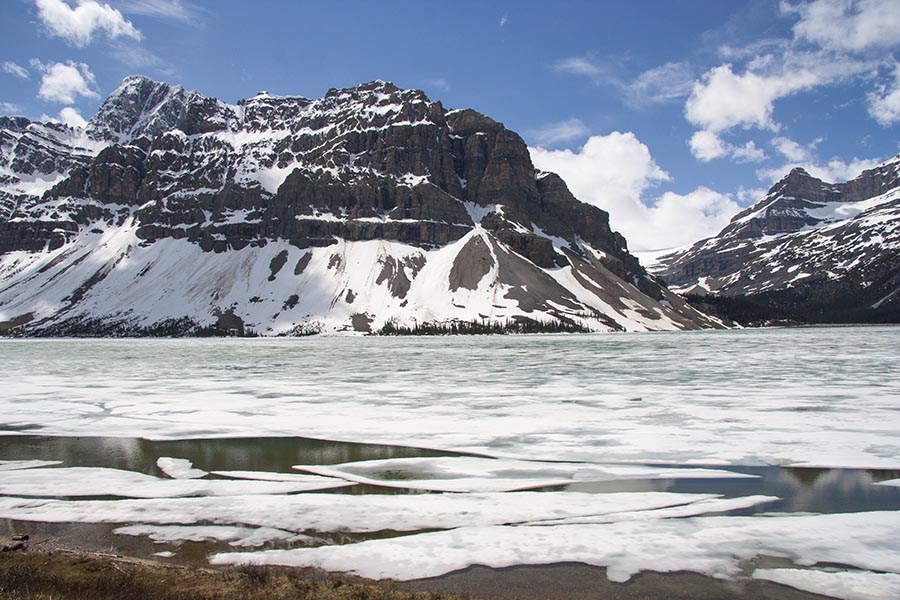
x: 823, y: 251
x: 139, y: 106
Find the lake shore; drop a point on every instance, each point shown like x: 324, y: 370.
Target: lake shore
x: 64, y: 571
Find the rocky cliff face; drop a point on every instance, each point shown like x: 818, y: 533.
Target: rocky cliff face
x: 370, y: 205
x: 821, y: 251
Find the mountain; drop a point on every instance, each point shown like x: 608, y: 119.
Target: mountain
x: 172, y: 212
x: 820, y: 252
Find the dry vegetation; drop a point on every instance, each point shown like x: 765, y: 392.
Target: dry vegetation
x: 82, y: 576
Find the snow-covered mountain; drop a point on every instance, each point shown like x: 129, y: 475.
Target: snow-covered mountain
x: 172, y: 211
x: 821, y: 251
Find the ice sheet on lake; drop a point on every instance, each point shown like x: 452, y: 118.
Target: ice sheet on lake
x: 235, y: 536
x: 270, y: 476
x: 729, y: 397
x: 475, y: 474
x: 890, y: 482
x: 15, y: 465
x: 849, y: 585
x: 712, y: 545
x: 179, y: 468
x: 100, y: 481
x: 702, y: 507
x: 344, y: 512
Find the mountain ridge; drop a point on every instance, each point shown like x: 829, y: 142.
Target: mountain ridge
x: 371, y: 205
x: 824, y: 252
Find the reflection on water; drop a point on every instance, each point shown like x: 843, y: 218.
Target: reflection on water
x: 800, y: 489
x: 238, y: 454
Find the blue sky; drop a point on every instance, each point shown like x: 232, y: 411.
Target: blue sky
x: 671, y: 115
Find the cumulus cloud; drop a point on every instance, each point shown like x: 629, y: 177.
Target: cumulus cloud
x: 805, y: 156
x: 79, y: 24
x: 71, y: 117
x: 854, y: 25
x: 725, y: 99
x: 14, y: 69
x: 795, y: 151
x: 833, y: 171
x: 558, y: 132
x: 749, y: 152
x: 63, y: 82
x: 884, y: 104
x: 707, y: 145
x: 616, y: 171
x: 749, y: 196
x: 833, y: 41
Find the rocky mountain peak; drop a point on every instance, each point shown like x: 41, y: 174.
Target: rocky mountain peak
x: 385, y: 206
x: 139, y: 106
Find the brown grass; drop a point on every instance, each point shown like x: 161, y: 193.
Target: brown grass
x: 81, y: 576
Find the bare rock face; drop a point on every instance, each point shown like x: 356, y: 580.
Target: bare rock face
x: 388, y: 206
x: 819, y: 251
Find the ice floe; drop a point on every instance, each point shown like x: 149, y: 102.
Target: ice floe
x: 270, y: 476
x: 715, y: 546
x: 15, y: 465
x: 235, y: 536
x: 101, y: 481
x: 365, y: 513
x: 849, y: 585
x: 476, y: 474
x: 179, y: 468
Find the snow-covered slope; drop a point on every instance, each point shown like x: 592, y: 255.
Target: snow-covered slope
x: 822, y: 251
x: 172, y: 211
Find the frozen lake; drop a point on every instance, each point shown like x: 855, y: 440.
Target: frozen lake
x: 414, y: 457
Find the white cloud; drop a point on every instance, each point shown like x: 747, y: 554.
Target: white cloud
x: 707, y: 145
x: 78, y: 25
x: 679, y: 220
x: 441, y: 84
x: 804, y: 155
x: 8, y: 108
x: 854, y: 25
x: 578, y: 65
x: 559, y: 132
x: 749, y: 196
x: 177, y: 10
x: 615, y: 171
x: 14, y: 69
x: 503, y: 20
x: 795, y: 151
x: 666, y: 82
x: 138, y: 58
x: 825, y: 49
x: 749, y: 152
x: 723, y: 99
x: 884, y: 104
x: 71, y: 117
x: 63, y: 82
